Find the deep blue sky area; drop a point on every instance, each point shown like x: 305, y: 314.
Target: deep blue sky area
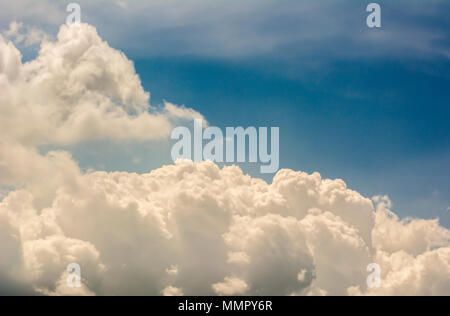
x: 381, y: 126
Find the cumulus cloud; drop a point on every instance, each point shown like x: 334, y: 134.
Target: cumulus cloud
x: 196, y: 229
x: 183, y: 229
x: 413, y: 236
x: 230, y: 286
x: 172, y: 291
x: 78, y: 88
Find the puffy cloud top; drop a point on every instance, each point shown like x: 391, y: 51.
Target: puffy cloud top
x: 77, y: 89
x: 193, y: 228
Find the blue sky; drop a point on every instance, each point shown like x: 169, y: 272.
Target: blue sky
x: 381, y: 126
x: 369, y: 106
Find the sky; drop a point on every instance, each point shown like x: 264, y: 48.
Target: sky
x: 368, y: 106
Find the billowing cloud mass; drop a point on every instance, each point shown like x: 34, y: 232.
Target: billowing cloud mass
x: 184, y: 229
x: 193, y: 228
x: 77, y: 89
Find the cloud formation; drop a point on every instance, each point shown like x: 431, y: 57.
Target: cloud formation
x: 77, y: 89
x: 196, y: 229
x: 183, y: 229
x: 25, y: 35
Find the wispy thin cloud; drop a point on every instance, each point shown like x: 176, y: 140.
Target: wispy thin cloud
x: 288, y: 29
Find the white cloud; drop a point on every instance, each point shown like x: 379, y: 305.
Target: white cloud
x: 404, y: 274
x: 14, y: 31
x: 25, y: 35
x: 230, y: 286
x: 172, y: 291
x: 226, y: 232
x: 413, y: 236
x: 78, y: 88
x: 181, y: 112
x: 63, y: 290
